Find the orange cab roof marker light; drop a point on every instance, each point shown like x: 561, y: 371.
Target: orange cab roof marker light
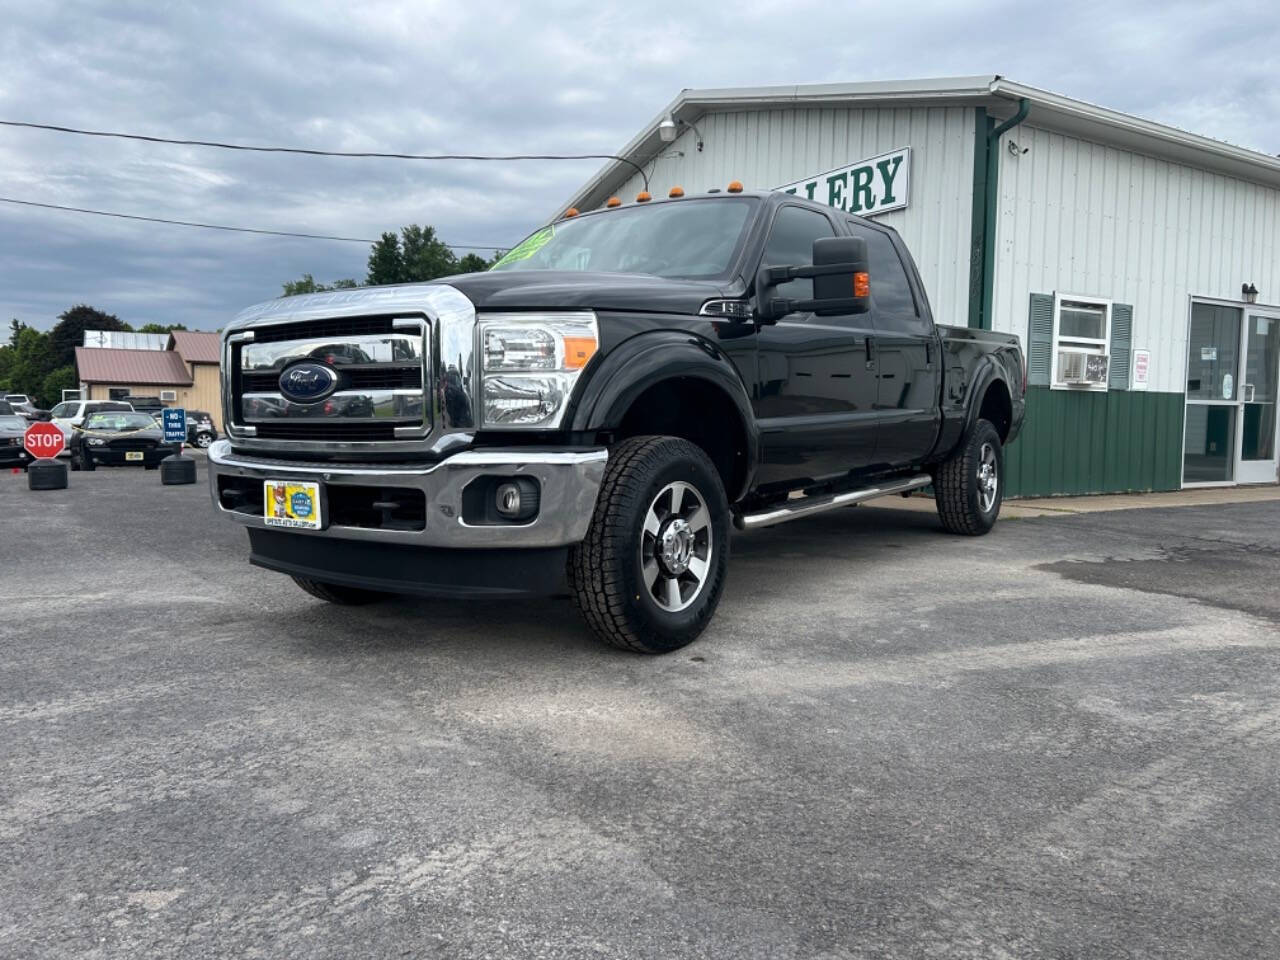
x: 613, y: 202
x: 571, y: 212
x: 676, y: 192
x: 643, y: 197
x: 735, y: 186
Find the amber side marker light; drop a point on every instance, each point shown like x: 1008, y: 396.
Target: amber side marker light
x: 643, y: 197
x: 577, y: 351
x: 613, y: 202
x: 571, y: 212
x: 735, y: 186
x: 861, y: 285
x: 676, y: 192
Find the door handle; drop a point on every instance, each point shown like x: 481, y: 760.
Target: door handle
x: 871, y: 353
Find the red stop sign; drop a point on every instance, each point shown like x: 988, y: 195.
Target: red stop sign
x: 44, y: 440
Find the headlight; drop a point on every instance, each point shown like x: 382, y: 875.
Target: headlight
x: 96, y: 442
x: 530, y: 363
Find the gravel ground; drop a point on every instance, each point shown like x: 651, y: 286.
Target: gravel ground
x: 1060, y: 740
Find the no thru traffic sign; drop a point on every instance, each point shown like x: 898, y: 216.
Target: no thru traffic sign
x: 44, y: 440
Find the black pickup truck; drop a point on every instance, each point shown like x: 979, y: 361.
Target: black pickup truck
x: 602, y: 407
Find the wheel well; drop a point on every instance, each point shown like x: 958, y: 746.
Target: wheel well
x: 700, y: 412
x: 997, y: 407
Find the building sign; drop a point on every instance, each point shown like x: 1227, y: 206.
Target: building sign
x: 1141, y: 370
x: 865, y: 188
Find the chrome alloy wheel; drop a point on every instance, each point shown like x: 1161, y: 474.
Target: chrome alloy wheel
x: 675, y: 547
x: 988, y: 478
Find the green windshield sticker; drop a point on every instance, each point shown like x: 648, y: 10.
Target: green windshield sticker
x: 528, y: 246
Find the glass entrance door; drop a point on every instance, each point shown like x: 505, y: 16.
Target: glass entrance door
x: 1213, y: 372
x: 1258, y: 395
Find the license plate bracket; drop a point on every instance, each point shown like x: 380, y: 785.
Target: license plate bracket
x: 292, y: 503
x: 134, y: 455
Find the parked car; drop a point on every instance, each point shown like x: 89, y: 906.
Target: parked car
x: 145, y: 404
x: 70, y: 414
x: 200, y: 429
x: 12, y: 428
x: 119, y: 438
x: 614, y: 395
x: 17, y: 398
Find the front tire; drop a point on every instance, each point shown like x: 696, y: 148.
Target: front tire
x: 649, y: 574
x: 86, y: 462
x: 339, y: 594
x: 203, y: 440
x: 969, y: 488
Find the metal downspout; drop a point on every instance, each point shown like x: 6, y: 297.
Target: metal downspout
x: 992, y: 204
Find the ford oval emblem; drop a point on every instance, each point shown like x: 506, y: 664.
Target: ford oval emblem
x: 308, y: 382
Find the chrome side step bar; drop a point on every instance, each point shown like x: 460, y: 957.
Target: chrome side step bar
x: 805, y: 506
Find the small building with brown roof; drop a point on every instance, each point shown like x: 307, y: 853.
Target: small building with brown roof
x: 183, y: 375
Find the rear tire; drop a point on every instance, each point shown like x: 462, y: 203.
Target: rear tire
x: 969, y: 488
x: 339, y: 594
x: 203, y: 440
x: 649, y: 574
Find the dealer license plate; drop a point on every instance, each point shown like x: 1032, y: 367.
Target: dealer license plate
x: 133, y: 455
x: 291, y: 503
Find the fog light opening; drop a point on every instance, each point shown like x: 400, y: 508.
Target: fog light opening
x: 507, y: 500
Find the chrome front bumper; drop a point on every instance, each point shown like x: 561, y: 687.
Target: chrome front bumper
x: 569, y: 480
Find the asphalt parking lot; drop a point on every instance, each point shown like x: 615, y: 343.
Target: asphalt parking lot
x: 1060, y: 740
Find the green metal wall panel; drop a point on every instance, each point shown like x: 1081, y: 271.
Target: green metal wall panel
x: 1077, y: 442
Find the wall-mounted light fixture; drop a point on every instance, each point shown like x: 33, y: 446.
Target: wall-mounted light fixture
x: 667, y: 130
x: 1249, y: 293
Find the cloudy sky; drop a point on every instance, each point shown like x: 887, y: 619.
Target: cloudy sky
x: 527, y: 77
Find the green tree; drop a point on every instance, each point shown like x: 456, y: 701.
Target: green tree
x: 64, y: 378
x: 386, y: 264
x: 426, y: 256
x: 160, y: 327
x: 307, y: 284
x: 16, y: 326
x: 68, y: 332
x: 32, y: 362
x: 473, y: 263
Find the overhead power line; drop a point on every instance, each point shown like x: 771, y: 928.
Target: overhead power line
x: 328, y: 153
x: 219, y: 226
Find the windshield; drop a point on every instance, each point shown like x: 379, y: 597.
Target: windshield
x: 118, y: 421
x: 690, y: 239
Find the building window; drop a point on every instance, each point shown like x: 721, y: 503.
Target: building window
x: 1081, y: 338
x: 117, y: 393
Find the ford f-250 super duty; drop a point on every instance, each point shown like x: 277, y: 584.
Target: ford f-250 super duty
x: 602, y: 406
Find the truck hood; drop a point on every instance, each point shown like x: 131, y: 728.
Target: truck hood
x: 504, y: 290
x: 536, y: 289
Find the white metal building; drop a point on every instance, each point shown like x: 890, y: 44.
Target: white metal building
x: 1120, y: 250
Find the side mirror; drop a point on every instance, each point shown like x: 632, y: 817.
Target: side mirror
x: 841, y: 281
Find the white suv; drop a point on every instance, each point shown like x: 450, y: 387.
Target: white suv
x: 71, y: 413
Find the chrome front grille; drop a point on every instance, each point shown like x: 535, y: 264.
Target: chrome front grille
x: 382, y: 370
x: 404, y: 356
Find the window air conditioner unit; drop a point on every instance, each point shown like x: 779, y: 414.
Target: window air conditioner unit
x: 1080, y: 366
x: 168, y: 396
